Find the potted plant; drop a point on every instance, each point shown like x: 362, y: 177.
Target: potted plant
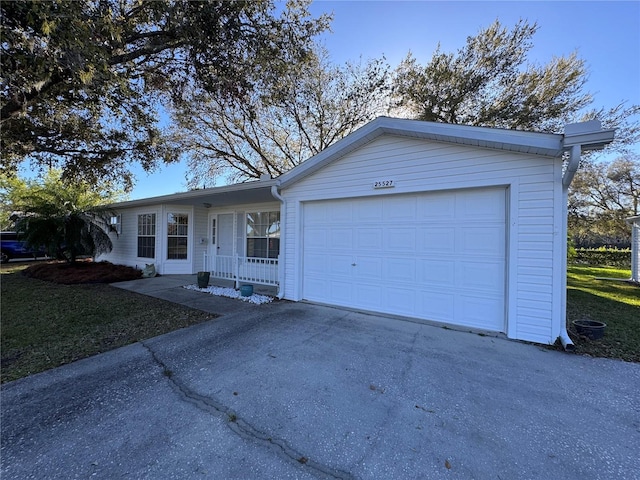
x: 246, y: 290
x: 203, y: 279
x: 592, y: 329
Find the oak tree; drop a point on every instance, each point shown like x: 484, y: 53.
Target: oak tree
x: 602, y: 195
x: 83, y: 81
x: 284, y: 122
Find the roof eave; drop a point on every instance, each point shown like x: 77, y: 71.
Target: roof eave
x: 195, y: 194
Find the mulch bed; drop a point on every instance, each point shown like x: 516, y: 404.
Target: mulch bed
x: 82, y: 271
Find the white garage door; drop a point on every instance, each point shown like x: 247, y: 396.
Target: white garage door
x: 435, y: 256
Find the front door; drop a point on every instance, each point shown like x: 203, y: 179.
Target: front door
x: 222, y: 243
x: 224, y: 240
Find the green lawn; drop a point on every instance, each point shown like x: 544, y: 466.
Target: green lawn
x: 45, y: 324
x: 613, y: 302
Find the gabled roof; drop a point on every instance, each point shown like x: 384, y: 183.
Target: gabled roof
x: 587, y: 135
x: 545, y: 144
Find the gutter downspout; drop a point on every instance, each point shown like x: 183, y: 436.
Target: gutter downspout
x: 567, y: 178
x: 283, y: 215
x: 578, y: 137
x: 572, y: 167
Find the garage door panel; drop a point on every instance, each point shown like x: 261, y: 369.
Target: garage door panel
x: 368, y: 268
x: 436, y: 207
x: 399, y: 209
x: 480, y: 312
x: 316, y: 212
x: 317, y: 288
x: 368, y: 210
x: 481, y: 276
x: 340, y: 292
x: 436, y: 239
x: 315, y: 239
x: 436, y: 272
x: 400, y: 269
x: 368, y: 239
x: 368, y: 296
x: 315, y: 264
x: 341, y: 213
x: 339, y: 265
x: 480, y: 205
x: 438, y: 306
x: 340, y: 239
x: 437, y: 256
x: 481, y: 240
x: 400, y: 300
x: 401, y: 240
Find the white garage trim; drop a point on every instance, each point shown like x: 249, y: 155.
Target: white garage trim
x: 435, y: 256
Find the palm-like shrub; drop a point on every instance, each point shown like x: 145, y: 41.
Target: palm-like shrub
x: 66, y: 219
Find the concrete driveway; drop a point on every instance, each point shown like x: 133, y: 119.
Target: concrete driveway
x: 291, y: 390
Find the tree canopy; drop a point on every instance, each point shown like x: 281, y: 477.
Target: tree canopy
x: 490, y: 82
x: 602, y: 196
x: 287, y: 120
x: 82, y: 80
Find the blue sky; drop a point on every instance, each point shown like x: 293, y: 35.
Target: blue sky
x: 605, y: 34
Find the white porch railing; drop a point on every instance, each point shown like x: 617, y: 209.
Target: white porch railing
x: 263, y: 271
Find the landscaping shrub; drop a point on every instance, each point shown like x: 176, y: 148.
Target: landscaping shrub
x: 612, y: 257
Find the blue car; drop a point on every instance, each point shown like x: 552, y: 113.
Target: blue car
x: 14, y: 248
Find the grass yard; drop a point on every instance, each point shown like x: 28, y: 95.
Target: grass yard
x: 615, y: 303
x: 45, y: 324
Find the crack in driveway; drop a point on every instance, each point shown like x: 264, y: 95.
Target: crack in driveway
x: 244, y: 429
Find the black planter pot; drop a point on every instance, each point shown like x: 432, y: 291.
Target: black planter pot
x: 203, y: 279
x: 590, y: 328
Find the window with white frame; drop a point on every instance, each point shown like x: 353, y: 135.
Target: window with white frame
x: 263, y: 234
x: 147, y: 235
x: 177, y: 236
x: 115, y: 224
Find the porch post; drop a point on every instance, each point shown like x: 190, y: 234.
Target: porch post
x: 236, y: 270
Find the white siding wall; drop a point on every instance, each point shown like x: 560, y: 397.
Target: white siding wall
x: 201, y: 237
x: 415, y: 165
x: 635, y: 250
x: 125, y: 246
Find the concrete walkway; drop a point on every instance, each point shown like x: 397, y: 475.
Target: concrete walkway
x: 169, y: 287
x: 297, y: 391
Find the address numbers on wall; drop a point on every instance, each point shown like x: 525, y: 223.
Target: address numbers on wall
x: 383, y: 184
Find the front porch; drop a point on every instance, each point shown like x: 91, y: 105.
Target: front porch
x: 238, y: 269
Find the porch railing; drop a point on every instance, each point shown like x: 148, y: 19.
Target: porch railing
x: 263, y: 271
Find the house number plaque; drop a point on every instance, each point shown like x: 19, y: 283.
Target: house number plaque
x: 383, y: 184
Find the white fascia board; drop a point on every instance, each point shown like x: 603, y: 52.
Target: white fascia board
x: 547, y: 144
x: 535, y: 143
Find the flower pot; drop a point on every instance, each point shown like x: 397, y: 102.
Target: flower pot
x: 203, y: 279
x: 590, y: 328
x: 246, y: 290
